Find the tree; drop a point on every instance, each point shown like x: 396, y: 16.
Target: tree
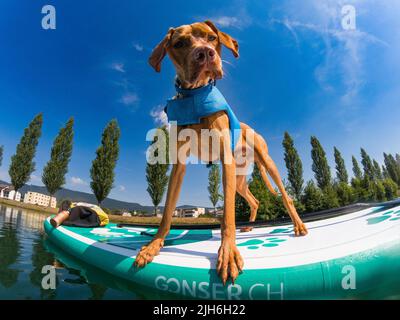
x: 356, y: 168
x: 361, y: 193
x: 392, y: 168
x: 156, y: 174
x: 54, y: 172
x: 294, y: 166
x: 377, y: 170
x: 398, y: 159
x: 329, y: 198
x: 367, y: 165
x: 1, y: 154
x: 214, y: 184
x: 385, y: 173
x: 390, y: 188
x: 22, y: 164
x: 242, y: 208
x: 312, y: 197
x: 379, y: 192
x: 320, y: 165
x: 341, y: 172
x: 103, y: 166
x: 345, y: 193
x: 270, y: 206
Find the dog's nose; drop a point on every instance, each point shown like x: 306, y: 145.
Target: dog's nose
x: 204, y: 53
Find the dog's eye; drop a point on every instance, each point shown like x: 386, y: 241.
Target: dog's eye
x: 211, y: 38
x: 178, y: 44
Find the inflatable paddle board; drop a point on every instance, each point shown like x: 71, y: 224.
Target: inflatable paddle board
x: 347, y: 256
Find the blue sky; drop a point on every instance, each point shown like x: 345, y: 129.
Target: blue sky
x: 298, y: 70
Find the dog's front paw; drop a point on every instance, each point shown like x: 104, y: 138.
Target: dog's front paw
x: 300, y: 229
x: 230, y: 262
x: 147, y: 253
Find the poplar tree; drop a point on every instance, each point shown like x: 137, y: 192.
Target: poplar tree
x: 356, y: 168
x: 294, y: 166
x: 398, y: 159
x: 214, y: 184
x: 392, y: 168
x: 341, y: 172
x: 377, y: 170
x: 103, y: 166
x: 320, y: 165
x: 385, y: 173
x: 367, y: 165
x: 156, y: 174
x: 22, y: 164
x: 1, y: 154
x: 54, y: 172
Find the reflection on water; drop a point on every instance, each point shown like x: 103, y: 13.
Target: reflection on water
x: 24, y: 251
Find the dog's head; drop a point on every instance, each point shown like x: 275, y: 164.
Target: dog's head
x: 195, y: 51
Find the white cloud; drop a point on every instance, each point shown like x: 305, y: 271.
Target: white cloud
x: 344, y: 49
x: 76, y: 181
x: 159, y: 116
x: 138, y: 47
x: 118, y: 66
x: 121, y: 188
x: 236, y: 18
x: 225, y: 21
x: 129, y: 99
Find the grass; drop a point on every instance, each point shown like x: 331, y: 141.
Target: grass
x: 113, y: 218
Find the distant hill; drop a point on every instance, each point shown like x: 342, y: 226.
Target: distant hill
x: 90, y: 198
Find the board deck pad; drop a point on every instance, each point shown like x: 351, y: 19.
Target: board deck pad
x: 357, y: 236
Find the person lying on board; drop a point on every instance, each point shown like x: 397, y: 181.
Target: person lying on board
x: 79, y: 214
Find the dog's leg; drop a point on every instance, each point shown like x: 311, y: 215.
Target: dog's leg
x: 230, y: 262
x: 148, y: 252
x: 262, y: 153
x: 243, y: 189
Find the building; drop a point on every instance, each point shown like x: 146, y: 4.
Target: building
x: 8, y: 192
x: 40, y: 199
x: 189, y: 212
x: 217, y: 212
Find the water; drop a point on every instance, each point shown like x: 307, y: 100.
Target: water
x: 24, y: 251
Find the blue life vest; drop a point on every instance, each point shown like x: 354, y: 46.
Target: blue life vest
x: 198, y: 103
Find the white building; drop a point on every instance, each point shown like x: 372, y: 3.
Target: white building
x: 189, y: 212
x: 8, y: 192
x: 40, y: 199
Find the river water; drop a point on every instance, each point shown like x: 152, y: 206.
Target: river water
x: 23, y: 253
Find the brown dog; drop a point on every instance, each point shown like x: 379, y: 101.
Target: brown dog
x: 195, y: 51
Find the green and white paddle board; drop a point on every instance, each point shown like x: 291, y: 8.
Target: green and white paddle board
x: 347, y: 256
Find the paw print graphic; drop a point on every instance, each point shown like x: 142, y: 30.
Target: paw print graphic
x: 391, y: 215
x: 258, y: 243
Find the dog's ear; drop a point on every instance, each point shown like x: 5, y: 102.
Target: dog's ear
x: 159, y: 52
x: 225, y: 39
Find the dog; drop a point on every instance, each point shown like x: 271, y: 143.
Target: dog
x: 195, y: 51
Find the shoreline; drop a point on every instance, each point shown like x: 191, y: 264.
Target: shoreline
x: 113, y: 218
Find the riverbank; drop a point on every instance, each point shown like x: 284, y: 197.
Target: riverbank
x: 113, y: 218
x: 28, y: 206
